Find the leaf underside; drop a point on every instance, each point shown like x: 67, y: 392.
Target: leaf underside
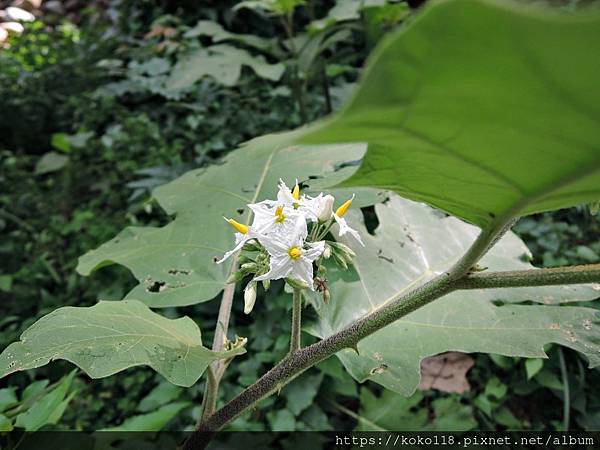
x: 500, y: 118
x: 411, y: 245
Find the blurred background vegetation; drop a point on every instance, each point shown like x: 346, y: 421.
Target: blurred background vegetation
x: 100, y: 101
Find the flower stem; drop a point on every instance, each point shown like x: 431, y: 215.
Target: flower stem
x: 295, y: 341
x: 326, y: 229
x: 216, y: 369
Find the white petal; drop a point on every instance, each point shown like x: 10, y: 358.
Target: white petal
x: 284, y: 196
x: 239, y: 244
x: 302, y: 270
x: 280, y: 267
x: 344, y: 228
x: 299, y: 232
x: 275, y: 244
x: 264, y: 216
x: 316, y: 249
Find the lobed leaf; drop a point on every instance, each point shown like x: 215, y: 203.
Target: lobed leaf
x: 412, y: 244
x: 175, y: 264
x: 110, y: 337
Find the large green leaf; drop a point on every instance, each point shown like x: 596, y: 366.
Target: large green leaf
x: 112, y: 336
x: 175, y: 264
x: 412, y: 244
x: 485, y: 109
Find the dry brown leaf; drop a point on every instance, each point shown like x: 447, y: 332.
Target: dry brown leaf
x: 446, y: 372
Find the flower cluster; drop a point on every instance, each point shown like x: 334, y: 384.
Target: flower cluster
x: 288, y: 236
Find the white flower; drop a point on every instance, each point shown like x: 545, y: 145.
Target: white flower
x: 272, y: 218
x: 293, y: 199
x: 343, y: 225
x: 288, y: 256
x: 245, y: 233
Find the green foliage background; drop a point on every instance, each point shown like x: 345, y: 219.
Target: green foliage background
x: 92, y: 126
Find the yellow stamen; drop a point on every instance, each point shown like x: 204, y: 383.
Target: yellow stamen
x: 279, y: 216
x: 296, y: 192
x: 295, y: 252
x: 342, y: 209
x: 238, y: 226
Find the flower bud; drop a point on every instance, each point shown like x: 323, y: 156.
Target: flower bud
x: 240, y: 342
x: 235, y: 277
x: 251, y: 246
x: 249, y: 267
x: 296, y: 284
x: 347, y: 250
x: 249, y: 297
x: 326, y: 295
x: 325, y: 208
x: 340, y: 259
x: 266, y: 284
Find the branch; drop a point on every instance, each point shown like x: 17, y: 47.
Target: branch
x: 535, y: 277
x: 297, y: 362
x: 458, y: 277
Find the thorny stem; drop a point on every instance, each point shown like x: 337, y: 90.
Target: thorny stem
x: 458, y: 277
x: 295, y: 341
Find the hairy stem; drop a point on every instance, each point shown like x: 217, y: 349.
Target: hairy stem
x: 589, y: 273
x: 295, y: 341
